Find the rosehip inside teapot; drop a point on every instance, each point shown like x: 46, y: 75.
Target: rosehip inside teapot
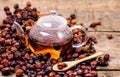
x: 51, y: 34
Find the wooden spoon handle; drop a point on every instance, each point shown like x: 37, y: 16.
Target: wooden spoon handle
x: 73, y: 63
x: 90, y: 57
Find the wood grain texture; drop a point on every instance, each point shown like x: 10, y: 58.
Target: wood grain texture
x: 86, y: 11
x: 110, y: 46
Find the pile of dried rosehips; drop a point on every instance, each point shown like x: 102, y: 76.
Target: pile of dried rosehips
x: 16, y: 58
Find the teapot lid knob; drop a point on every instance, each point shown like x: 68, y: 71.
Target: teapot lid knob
x: 52, y: 12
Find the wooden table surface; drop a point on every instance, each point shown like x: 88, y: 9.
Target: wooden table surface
x: 87, y: 11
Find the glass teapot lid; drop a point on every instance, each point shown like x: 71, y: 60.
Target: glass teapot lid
x: 50, y: 30
x: 52, y: 22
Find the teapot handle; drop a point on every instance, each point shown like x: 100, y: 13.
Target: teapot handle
x: 86, y: 38
x: 19, y: 30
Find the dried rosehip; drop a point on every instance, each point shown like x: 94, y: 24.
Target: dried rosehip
x: 80, y: 72
x: 2, y: 40
x: 40, y: 72
x: 82, y: 56
x: 23, y: 68
x: 88, y: 75
x: 13, y: 49
x: 95, y: 23
x: 92, y: 38
x: 78, y: 50
x: 94, y: 74
x: 5, y: 71
x: 1, y: 66
x: 28, y: 4
x: 35, y: 9
x: 8, y: 13
x: 48, y: 69
x: 17, y: 44
x: 6, y: 8
x: 19, y: 72
x: 13, y: 63
x: 18, y: 55
x: 10, y: 56
x: 106, y: 57
x: 75, y: 55
x: 52, y: 74
x: 5, y: 62
x: 102, y: 63
x: 53, y: 61
x: 8, y: 41
x: 93, y: 63
x: 16, y: 6
x: 69, y: 72
x: 93, y: 67
x: 8, y: 36
x: 2, y: 49
x: 109, y: 36
x: 39, y: 76
x: 17, y: 67
x: 32, y: 73
x: 61, y: 65
x: 38, y: 65
x: 72, y: 16
x: 39, y: 56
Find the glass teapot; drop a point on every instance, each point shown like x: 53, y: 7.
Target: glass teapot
x: 53, y: 29
x: 51, y: 34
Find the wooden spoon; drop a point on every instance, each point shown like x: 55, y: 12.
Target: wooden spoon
x: 70, y: 64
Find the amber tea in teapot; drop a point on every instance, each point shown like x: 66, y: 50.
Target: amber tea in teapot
x: 51, y: 34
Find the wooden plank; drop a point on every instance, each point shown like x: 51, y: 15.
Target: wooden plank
x: 110, y: 46
x: 109, y: 74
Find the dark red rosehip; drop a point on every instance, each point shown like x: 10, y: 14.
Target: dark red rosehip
x: 106, y: 57
x: 18, y: 55
x: 80, y: 72
x: 88, y: 75
x: 8, y: 13
x: 69, y: 72
x: 13, y: 63
x: 1, y: 66
x: 17, y: 44
x: 48, y: 69
x: 61, y: 65
x: 38, y: 65
x: 109, y: 36
x: 59, y: 75
x: 19, y: 72
x: 5, y: 71
x: 53, y: 61
x: 75, y: 55
x: 13, y: 49
x: 93, y: 67
x: 28, y: 4
x: 94, y: 73
x: 6, y: 8
x: 5, y: 62
x: 41, y: 73
x: 10, y: 56
x: 23, y: 68
x: 17, y: 67
x: 32, y: 73
x: 16, y: 6
x: 72, y: 16
x: 52, y: 74
x: 2, y: 49
x: 35, y: 9
x: 8, y: 41
x: 39, y: 76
